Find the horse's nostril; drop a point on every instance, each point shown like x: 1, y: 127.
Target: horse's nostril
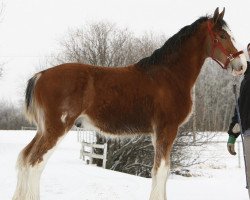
x: 239, y: 68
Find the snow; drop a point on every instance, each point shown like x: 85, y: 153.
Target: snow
x: 66, y: 177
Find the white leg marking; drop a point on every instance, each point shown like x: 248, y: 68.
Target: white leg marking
x: 21, y: 183
x: 28, y: 183
x: 159, y: 179
x: 63, y: 117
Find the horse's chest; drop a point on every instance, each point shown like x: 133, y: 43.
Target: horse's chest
x: 176, y: 107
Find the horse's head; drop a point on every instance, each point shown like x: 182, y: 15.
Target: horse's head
x: 222, y: 45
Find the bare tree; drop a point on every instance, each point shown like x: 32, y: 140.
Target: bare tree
x: 11, y: 117
x: 105, y: 44
x: 100, y: 44
x: 215, y: 100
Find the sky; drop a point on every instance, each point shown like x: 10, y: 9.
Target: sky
x: 30, y: 30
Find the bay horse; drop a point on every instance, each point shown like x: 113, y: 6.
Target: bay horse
x: 152, y: 96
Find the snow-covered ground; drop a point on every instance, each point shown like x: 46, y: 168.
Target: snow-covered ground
x: 67, y: 178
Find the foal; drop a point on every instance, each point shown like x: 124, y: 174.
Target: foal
x: 152, y: 96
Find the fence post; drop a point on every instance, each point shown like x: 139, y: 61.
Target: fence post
x: 90, y: 157
x: 104, y: 156
x: 87, y: 139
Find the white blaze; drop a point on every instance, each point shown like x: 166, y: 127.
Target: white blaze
x: 242, y: 57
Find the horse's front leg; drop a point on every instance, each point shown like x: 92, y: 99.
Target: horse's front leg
x: 163, y: 141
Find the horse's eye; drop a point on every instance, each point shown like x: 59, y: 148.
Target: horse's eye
x: 222, y: 36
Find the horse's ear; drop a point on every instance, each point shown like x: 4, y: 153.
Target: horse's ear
x: 216, y: 15
x: 221, y: 15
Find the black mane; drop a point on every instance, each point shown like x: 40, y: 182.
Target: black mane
x: 174, y: 43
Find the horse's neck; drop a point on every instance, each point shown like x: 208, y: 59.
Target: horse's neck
x: 189, y: 64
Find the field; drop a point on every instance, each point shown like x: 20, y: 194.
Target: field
x: 67, y: 178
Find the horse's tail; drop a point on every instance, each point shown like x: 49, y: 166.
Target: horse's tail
x: 31, y: 104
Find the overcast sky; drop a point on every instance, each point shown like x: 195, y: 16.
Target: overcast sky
x: 31, y: 29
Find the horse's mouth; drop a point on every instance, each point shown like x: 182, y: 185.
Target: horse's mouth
x: 239, y: 72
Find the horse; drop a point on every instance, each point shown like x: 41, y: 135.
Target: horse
x: 152, y: 96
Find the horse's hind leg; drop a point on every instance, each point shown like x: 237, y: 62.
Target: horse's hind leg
x: 22, y: 167
x: 33, y: 159
x: 163, y: 141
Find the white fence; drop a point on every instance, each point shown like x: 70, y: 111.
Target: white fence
x: 88, y: 144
